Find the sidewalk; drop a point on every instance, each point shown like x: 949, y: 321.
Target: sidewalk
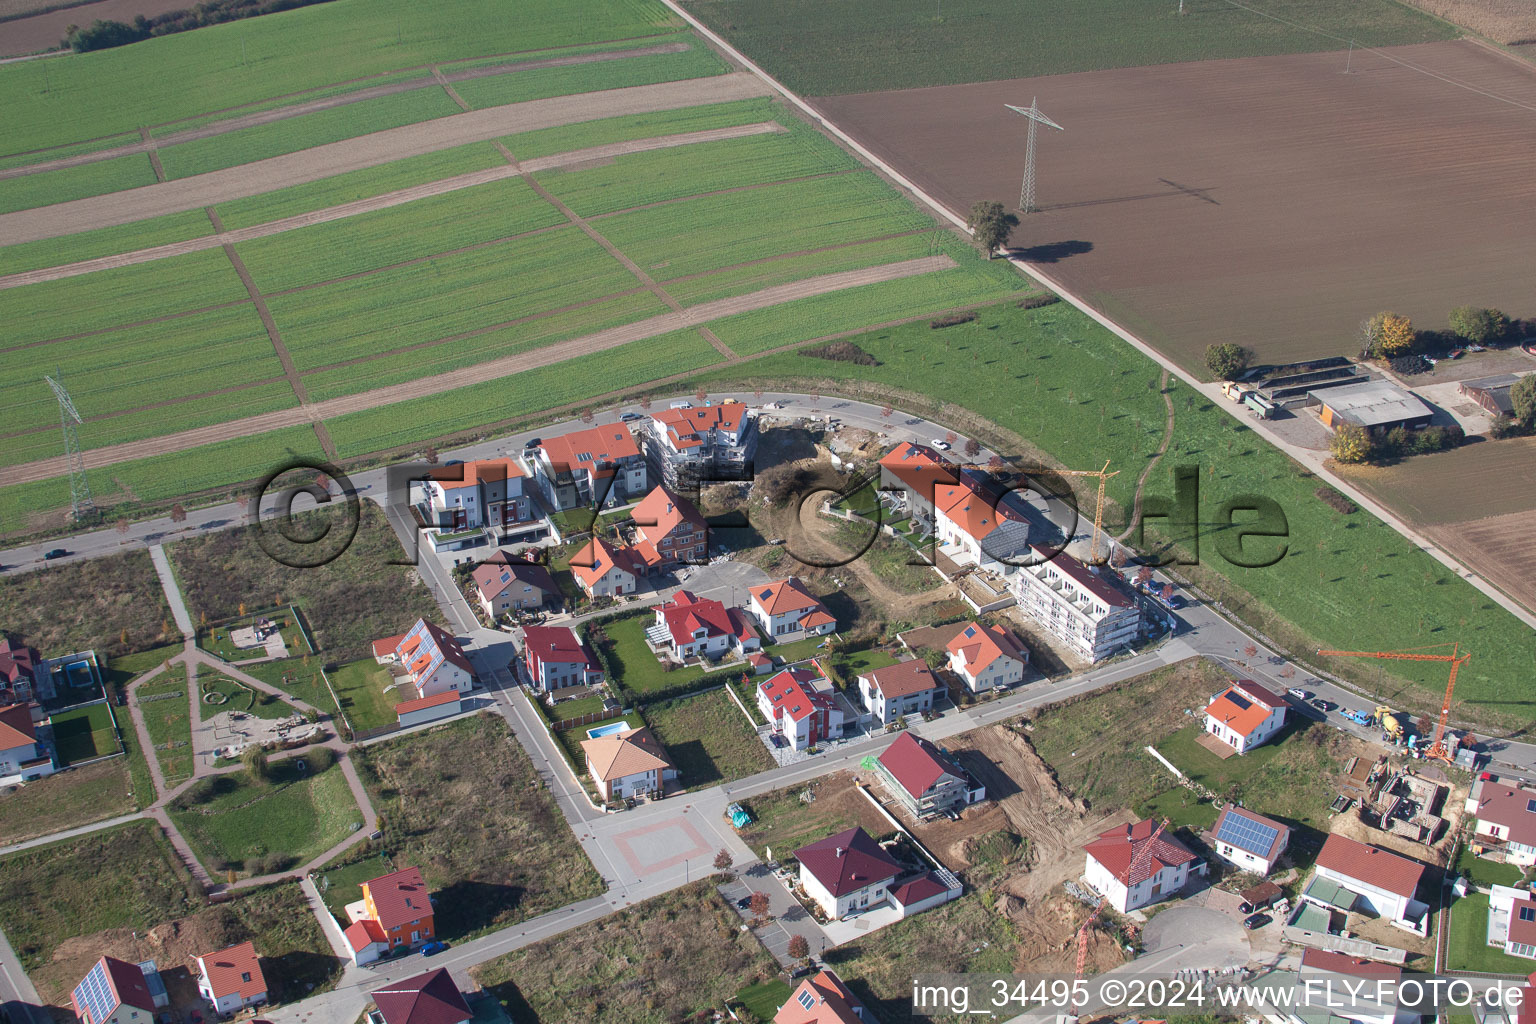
x: 172, y: 593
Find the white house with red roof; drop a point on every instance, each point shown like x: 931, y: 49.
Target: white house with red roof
x: 1245, y: 715
x: 556, y: 658
x: 1335, y: 986
x: 1092, y: 613
x: 987, y: 657
x: 822, y: 999
x: 585, y: 467
x: 1161, y: 872
x: 1512, y: 921
x: 1383, y: 883
x: 395, y: 911
x: 925, y: 779
x: 479, y: 493
x: 1248, y: 841
x: 603, y: 570
x: 506, y: 584
x: 669, y: 530
x: 113, y: 991
x: 429, y: 657
x: 846, y: 873
x: 980, y: 524
x: 689, y: 626
x: 916, y: 471
x: 905, y: 688
x: 19, y: 666
x: 21, y: 759
x: 788, y: 612
x: 799, y: 710
x: 705, y: 442
x: 231, y: 979
x: 1506, y: 819
x: 430, y: 998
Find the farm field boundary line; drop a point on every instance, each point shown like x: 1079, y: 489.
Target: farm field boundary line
x: 1310, y: 460
x: 234, y: 124
x: 613, y: 337
x: 388, y: 199
x: 366, y: 151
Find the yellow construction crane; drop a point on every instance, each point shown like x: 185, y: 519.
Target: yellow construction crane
x: 1103, y: 476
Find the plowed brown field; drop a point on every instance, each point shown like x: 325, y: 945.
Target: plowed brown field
x: 1273, y: 201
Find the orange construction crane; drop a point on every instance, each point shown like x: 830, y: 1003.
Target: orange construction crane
x: 1142, y: 856
x: 1456, y: 658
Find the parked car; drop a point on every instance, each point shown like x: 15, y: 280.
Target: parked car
x: 1254, y: 921
x: 1324, y: 706
x: 454, y: 462
x: 940, y: 444
x: 533, y: 442
x: 433, y: 948
x: 745, y: 903
x: 55, y: 553
x: 1299, y: 693
x: 630, y: 417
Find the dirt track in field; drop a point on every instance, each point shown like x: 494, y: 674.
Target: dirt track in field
x: 366, y: 151
x: 492, y: 370
x: 405, y: 195
x: 1271, y: 201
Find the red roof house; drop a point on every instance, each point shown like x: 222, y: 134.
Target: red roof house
x: 399, y: 906
x: 924, y: 778
x: 669, y: 530
x: 846, y: 873
x: 1163, y: 869
x: 231, y: 979
x: 110, y: 985
x: 430, y: 998
x: 797, y: 710
x: 821, y: 999
x: 556, y: 657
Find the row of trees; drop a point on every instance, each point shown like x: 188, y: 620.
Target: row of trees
x: 1353, y: 444
x: 101, y: 35
x: 1389, y: 335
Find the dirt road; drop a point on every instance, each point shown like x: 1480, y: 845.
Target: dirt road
x: 365, y: 151
x: 597, y: 342
x: 396, y: 198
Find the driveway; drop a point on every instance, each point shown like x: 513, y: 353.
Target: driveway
x: 789, y: 917
x: 1221, y: 939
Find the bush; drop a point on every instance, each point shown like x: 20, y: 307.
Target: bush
x: 320, y: 758
x: 843, y: 352
x: 1037, y: 301
x: 103, y: 34
x: 1350, y: 444
x: 1503, y: 428
x: 952, y: 319
x: 1228, y: 360
x: 1409, y: 365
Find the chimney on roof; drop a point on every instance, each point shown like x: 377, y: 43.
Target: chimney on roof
x: 839, y: 851
x: 669, y: 506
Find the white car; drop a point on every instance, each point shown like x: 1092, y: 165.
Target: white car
x: 1299, y: 693
x: 942, y: 446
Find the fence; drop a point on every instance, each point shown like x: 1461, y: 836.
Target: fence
x: 587, y: 719
x: 345, y: 721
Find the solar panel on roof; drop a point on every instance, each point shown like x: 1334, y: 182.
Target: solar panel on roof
x: 970, y: 631
x: 1243, y: 703
x: 1246, y: 834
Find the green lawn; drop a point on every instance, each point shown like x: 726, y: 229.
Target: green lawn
x: 289, y: 819
x: 84, y: 733
x: 240, y: 697
x: 1485, y: 872
x: 126, y: 877
x: 66, y: 800
x: 462, y: 802
x: 298, y: 678
x: 570, y: 739
x: 846, y: 666
x: 341, y: 884
x: 824, y: 49
x: 635, y: 666
x: 361, y: 687
x: 218, y: 641
x: 765, y: 997
x: 169, y: 722
x: 798, y: 650
x: 223, y: 66
x: 1468, y: 947
x: 708, y: 738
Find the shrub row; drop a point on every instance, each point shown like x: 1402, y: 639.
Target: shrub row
x: 952, y: 319
x: 845, y: 352
x: 101, y: 35
x: 1036, y: 301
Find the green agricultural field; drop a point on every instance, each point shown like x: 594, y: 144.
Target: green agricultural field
x: 93, y: 179
x: 1068, y: 388
x: 354, y: 185
x: 169, y: 722
x: 125, y: 295
x: 424, y: 228
x: 658, y: 175
x: 126, y: 877
x: 62, y: 152
x: 698, y: 61
x: 222, y: 66
x: 84, y: 734
x: 229, y: 819
x: 88, y: 245
x: 451, y: 295
x: 825, y: 49
x: 723, y: 230
x: 292, y: 134
x: 708, y: 738
x: 765, y: 273
x: 603, y: 131
x: 484, y: 344
x: 456, y: 800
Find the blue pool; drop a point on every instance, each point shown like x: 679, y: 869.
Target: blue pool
x: 607, y: 730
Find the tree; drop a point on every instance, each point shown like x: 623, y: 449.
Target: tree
x: 431, y: 454
x: 1144, y: 575
x: 723, y: 860
x: 178, y: 513
x: 1227, y: 360
x: 1522, y: 395
x: 799, y: 948
x: 759, y: 905
x: 991, y: 224
x: 1350, y: 445
x: 950, y: 437
x: 699, y: 394
x: 645, y: 401
x: 122, y: 527
x: 1478, y: 326
x: 1392, y: 335
x: 757, y: 394
x: 972, y: 447
x: 255, y: 761
x: 1249, y: 651
x: 886, y: 410
x: 587, y: 416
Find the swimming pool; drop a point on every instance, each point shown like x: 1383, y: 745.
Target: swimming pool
x: 607, y: 730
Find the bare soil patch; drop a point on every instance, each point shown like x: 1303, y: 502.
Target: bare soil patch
x: 1501, y: 548
x: 1277, y: 196
x: 1503, y: 21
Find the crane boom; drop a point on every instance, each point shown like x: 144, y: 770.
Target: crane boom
x: 1102, y: 475
x: 1455, y: 658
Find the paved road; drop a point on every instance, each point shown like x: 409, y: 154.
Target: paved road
x: 70, y: 833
